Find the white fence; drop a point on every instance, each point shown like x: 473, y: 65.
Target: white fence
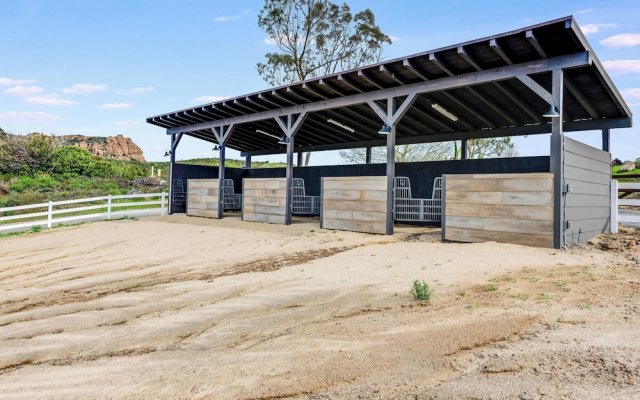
x: 105, y: 207
x: 626, y: 216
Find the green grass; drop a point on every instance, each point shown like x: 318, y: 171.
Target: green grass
x: 490, y: 288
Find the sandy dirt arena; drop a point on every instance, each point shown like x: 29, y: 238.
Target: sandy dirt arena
x: 189, y: 308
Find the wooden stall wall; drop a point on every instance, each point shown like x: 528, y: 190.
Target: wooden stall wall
x: 587, y: 206
x: 264, y: 200
x: 357, y: 203
x: 202, y: 198
x: 508, y: 208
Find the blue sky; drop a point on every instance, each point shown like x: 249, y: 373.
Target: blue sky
x: 102, y: 67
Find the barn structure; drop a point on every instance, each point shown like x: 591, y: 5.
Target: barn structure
x: 536, y: 80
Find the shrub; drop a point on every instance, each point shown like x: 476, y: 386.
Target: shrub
x: 131, y: 171
x: 26, y: 155
x: 38, y: 182
x: 71, y: 161
x: 616, y: 161
x: 421, y: 291
x: 36, y: 228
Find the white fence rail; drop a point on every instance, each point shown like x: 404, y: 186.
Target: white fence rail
x: 106, y: 207
x: 625, y: 216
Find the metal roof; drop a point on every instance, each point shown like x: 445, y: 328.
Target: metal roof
x: 476, y: 82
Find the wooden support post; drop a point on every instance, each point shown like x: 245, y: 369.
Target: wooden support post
x: 222, y: 134
x: 247, y: 162
x: 290, y: 127
x: 464, y: 149
x: 299, y: 161
x: 391, y: 175
x: 367, y: 155
x: 172, y: 161
x: 557, y: 162
x: 289, y: 176
x: 220, y: 181
x: 606, y: 140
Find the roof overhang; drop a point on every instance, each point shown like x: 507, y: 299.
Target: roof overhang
x: 490, y: 87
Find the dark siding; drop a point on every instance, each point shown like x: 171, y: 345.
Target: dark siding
x: 421, y: 174
x: 588, y: 205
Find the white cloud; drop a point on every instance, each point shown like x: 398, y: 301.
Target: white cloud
x: 631, y: 93
x: 116, y: 106
x: 235, y: 17
x: 23, y: 90
x: 136, y: 90
x: 622, y: 66
x: 621, y: 40
x: 13, y: 82
x: 18, y: 117
x: 210, y: 99
x: 50, y: 100
x: 584, y: 11
x: 588, y: 29
x: 84, y: 88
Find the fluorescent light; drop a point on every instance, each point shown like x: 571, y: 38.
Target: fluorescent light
x: 268, y: 134
x: 341, y: 125
x: 444, y: 111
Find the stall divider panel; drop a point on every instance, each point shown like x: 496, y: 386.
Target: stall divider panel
x: 264, y: 200
x: 354, y: 203
x: 203, y: 198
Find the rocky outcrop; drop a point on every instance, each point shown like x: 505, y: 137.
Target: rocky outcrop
x: 112, y: 147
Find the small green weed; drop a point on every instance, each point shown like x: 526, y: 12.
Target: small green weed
x: 36, y: 228
x: 471, y: 306
x: 490, y: 288
x: 421, y: 291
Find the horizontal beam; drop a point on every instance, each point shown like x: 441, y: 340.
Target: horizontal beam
x: 473, y: 78
x: 570, y: 126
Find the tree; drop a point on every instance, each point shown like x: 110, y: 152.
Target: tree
x: 316, y: 37
x: 477, y: 148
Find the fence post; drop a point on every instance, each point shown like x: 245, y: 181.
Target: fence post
x: 109, y: 207
x: 162, y: 203
x: 50, y: 214
x: 614, y: 206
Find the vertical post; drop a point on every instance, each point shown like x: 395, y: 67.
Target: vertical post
x: 464, y: 149
x: 557, y: 161
x: 172, y: 161
x: 50, y: 214
x: 220, y: 181
x: 299, y: 161
x: 247, y: 162
x: 614, y: 206
x: 367, y: 155
x: 162, y: 200
x: 391, y: 164
x: 289, y: 176
x: 606, y: 140
x: 109, y: 206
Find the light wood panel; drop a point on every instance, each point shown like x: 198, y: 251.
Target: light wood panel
x: 202, y: 198
x: 264, y: 200
x: 509, y: 208
x: 357, y: 203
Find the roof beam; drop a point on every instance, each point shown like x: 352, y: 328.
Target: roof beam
x: 367, y: 78
x: 534, y: 43
x: 469, y: 110
x: 348, y: 82
x: 463, y: 53
x: 536, y: 88
x: 414, y: 69
x: 575, y: 92
x: 534, y: 129
x: 454, y: 82
x: 390, y: 74
x: 436, y: 61
x: 493, y: 43
x: 517, y: 100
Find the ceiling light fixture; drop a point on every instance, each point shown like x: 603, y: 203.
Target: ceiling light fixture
x: 444, y: 112
x: 267, y: 133
x: 341, y: 125
x: 552, y: 113
x: 385, y: 130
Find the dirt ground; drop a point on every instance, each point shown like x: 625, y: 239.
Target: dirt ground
x: 182, y: 308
